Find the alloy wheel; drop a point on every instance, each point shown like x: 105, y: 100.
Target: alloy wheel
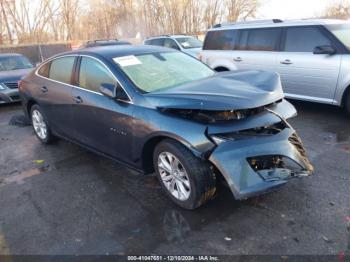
x: 174, y: 176
x: 39, y: 124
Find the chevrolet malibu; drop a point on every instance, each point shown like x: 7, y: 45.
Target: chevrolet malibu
x: 156, y: 109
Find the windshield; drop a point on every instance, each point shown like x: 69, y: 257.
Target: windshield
x: 189, y: 42
x: 9, y: 63
x: 342, y: 32
x: 158, y: 71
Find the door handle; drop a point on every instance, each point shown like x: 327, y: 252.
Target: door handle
x: 286, y: 62
x: 78, y: 99
x: 44, y: 89
x: 238, y: 59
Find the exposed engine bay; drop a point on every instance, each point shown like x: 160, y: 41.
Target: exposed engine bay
x: 217, y: 116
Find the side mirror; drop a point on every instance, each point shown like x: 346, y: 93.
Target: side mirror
x: 324, y: 50
x: 121, y: 94
x: 109, y: 90
x: 114, y: 91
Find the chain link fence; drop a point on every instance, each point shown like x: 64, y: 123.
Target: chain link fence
x: 37, y: 53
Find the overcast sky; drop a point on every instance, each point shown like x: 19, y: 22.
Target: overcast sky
x: 292, y: 9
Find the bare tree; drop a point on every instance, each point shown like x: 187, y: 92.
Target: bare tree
x: 5, y: 19
x: 68, y: 20
x: 339, y: 10
x: 241, y: 9
x: 213, y: 13
x: 69, y: 15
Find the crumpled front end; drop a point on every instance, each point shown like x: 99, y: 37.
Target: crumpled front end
x: 260, y: 153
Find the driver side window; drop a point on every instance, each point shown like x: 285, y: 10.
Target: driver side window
x: 92, y: 74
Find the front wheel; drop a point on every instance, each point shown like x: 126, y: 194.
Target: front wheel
x: 187, y: 180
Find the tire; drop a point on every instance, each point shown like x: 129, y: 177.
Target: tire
x: 40, y: 125
x: 347, y: 104
x: 193, y: 177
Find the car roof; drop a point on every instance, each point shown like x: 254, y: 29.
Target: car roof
x: 103, y: 42
x: 167, y: 36
x: 117, y: 50
x: 10, y: 54
x: 275, y: 23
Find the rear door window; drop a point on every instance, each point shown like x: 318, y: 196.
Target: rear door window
x: 61, y: 69
x: 44, y: 69
x: 259, y: 39
x: 220, y: 40
x: 304, y: 39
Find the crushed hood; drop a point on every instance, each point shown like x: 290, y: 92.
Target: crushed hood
x: 223, y: 91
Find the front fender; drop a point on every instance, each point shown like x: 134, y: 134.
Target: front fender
x: 182, y: 140
x: 151, y: 124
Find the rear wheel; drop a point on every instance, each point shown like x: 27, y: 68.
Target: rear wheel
x: 347, y: 104
x: 40, y: 125
x: 187, y: 180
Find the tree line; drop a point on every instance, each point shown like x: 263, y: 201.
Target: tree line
x: 32, y: 21
x: 43, y: 21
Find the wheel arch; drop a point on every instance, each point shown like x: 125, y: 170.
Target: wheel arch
x: 29, y: 105
x: 223, y: 63
x: 153, y: 141
x: 346, y: 93
x: 221, y: 69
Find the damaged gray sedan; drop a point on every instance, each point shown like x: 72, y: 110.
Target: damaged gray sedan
x: 160, y: 110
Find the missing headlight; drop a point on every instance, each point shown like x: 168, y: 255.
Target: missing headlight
x: 273, y: 161
x: 249, y: 133
x: 217, y: 116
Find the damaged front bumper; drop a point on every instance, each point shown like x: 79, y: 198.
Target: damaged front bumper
x: 259, y: 163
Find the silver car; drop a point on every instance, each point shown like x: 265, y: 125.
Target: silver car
x: 187, y: 44
x: 312, y: 56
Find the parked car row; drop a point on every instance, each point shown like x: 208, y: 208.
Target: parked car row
x: 160, y: 110
x: 311, y: 56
